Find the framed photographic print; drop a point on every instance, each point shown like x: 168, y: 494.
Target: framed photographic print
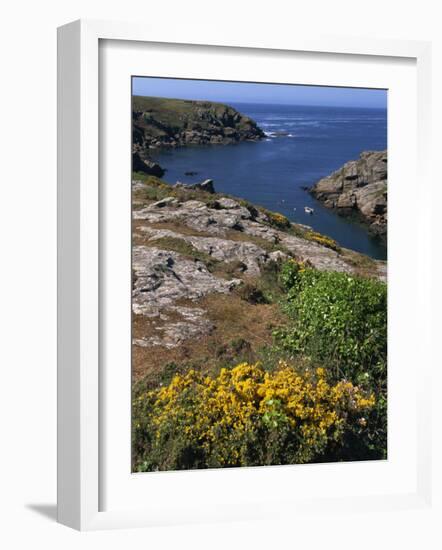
x: 233, y: 339
x: 257, y: 338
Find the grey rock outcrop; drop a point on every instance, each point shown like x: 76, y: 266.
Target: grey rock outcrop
x: 224, y: 250
x: 192, y: 323
x: 162, y: 277
x: 358, y: 188
x: 217, y: 222
x: 169, y: 286
x: 161, y: 122
x: 198, y: 216
x: 146, y: 165
x: 206, y: 185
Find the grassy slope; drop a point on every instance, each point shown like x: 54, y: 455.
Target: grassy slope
x: 176, y: 114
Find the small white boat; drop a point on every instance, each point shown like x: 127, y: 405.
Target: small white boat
x: 308, y: 210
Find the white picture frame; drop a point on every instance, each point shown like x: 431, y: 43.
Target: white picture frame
x: 80, y: 395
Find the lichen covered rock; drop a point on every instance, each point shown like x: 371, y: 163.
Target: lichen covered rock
x: 184, y: 238
x: 358, y: 188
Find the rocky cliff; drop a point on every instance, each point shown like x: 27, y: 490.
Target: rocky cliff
x: 358, y: 188
x: 200, y: 260
x: 159, y: 122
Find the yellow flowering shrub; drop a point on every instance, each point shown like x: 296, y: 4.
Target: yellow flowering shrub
x: 322, y: 239
x: 245, y: 416
x: 278, y: 220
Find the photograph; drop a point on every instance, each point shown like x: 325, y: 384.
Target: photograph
x: 222, y: 298
x: 259, y: 274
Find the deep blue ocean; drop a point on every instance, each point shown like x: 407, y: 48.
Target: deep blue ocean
x: 272, y: 172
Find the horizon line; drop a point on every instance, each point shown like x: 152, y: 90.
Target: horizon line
x: 239, y: 102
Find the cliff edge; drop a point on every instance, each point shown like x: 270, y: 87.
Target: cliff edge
x: 358, y: 188
x: 159, y: 122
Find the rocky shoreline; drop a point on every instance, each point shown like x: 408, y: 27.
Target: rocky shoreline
x: 168, y: 123
x: 358, y: 189
x: 192, y: 246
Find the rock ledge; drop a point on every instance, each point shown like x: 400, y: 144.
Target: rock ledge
x: 358, y: 188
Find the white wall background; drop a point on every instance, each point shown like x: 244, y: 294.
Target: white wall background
x: 28, y: 263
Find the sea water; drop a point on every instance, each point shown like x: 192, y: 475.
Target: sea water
x: 302, y: 145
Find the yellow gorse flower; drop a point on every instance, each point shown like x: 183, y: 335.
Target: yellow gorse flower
x: 321, y: 239
x: 278, y: 219
x: 221, y: 414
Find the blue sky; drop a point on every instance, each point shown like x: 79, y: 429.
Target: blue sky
x: 244, y: 92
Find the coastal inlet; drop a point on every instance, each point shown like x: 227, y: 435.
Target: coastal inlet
x: 300, y: 146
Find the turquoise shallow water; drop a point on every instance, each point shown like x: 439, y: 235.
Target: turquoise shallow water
x: 273, y: 172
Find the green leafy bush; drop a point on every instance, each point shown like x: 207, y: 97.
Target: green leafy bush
x: 336, y: 317
x: 340, y: 322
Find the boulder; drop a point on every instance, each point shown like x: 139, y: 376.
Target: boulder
x: 224, y: 250
x: 146, y: 165
x: 162, y: 277
x: 206, y: 185
x: 167, y: 201
x: 226, y: 203
x: 191, y: 323
x: 358, y: 188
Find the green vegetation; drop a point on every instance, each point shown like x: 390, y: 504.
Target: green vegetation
x: 318, y: 394
x: 245, y: 416
x: 323, y: 240
x: 149, y: 180
x: 275, y: 219
x: 155, y: 189
x: 294, y: 371
x: 364, y: 265
x: 265, y: 289
x: 337, y: 318
x: 340, y: 322
x: 174, y: 113
x: 172, y: 122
